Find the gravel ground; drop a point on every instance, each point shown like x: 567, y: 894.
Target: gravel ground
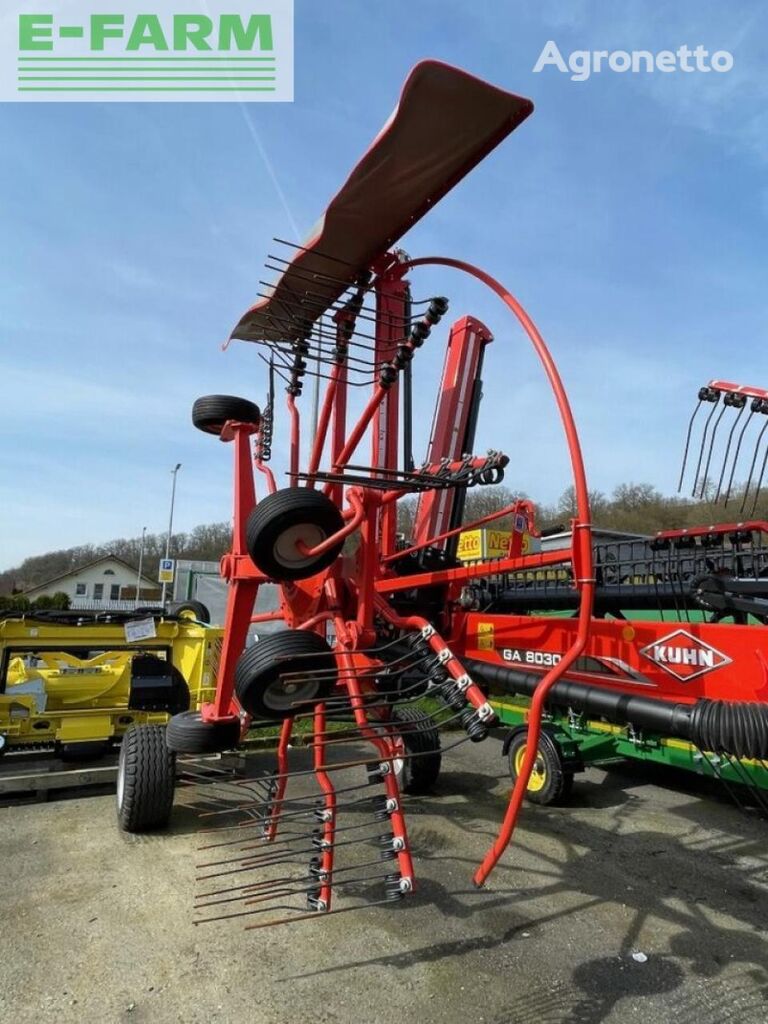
x: 99, y: 926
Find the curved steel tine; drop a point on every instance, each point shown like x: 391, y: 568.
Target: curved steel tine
x: 748, y: 484
x: 703, y: 444
x: 702, y: 492
x: 688, y: 444
x: 752, y: 412
x: 759, y: 482
x: 741, y: 404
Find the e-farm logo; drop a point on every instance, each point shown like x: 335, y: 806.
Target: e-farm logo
x: 77, y: 50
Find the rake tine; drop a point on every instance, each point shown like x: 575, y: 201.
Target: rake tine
x: 711, y: 449
x: 322, y: 333
x: 308, y: 809
x: 737, y: 402
x: 321, y: 913
x: 764, y: 410
x: 248, y: 867
x: 284, y: 857
x: 293, y: 800
x: 273, y: 843
x: 346, y: 804
x: 350, y: 867
x: 229, y: 889
x: 754, y: 406
x: 244, y: 913
x: 288, y: 892
x: 316, y: 340
x: 372, y: 671
x: 313, y: 275
x: 285, y: 880
x: 278, y: 881
x: 688, y: 441
x: 271, y: 364
x: 266, y: 854
x: 759, y: 482
x: 380, y: 759
x: 707, y: 395
x: 318, y: 252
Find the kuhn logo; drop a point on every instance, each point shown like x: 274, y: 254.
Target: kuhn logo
x: 684, y: 656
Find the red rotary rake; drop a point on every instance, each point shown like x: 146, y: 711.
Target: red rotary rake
x: 374, y: 622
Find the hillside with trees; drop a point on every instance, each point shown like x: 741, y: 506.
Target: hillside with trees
x: 632, y: 507
x: 208, y: 542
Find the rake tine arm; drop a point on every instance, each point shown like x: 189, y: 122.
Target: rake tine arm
x: 713, y: 396
x: 737, y: 402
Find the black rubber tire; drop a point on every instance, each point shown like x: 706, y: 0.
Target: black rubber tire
x: 198, y: 611
x: 258, y: 683
x: 187, y: 733
x: 284, y: 516
x: 558, y: 779
x: 420, y: 737
x: 145, y: 779
x: 211, y: 412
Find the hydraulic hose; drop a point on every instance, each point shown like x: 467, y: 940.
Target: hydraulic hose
x: 738, y: 728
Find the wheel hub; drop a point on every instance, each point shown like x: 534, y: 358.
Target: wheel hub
x: 286, y: 549
x: 538, y: 779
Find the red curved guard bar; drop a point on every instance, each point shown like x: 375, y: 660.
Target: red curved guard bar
x: 581, y: 551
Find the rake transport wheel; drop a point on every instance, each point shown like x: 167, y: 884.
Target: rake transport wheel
x: 187, y: 733
x: 420, y: 738
x: 146, y: 776
x: 211, y: 412
x: 283, y: 670
x: 280, y: 521
x: 551, y: 781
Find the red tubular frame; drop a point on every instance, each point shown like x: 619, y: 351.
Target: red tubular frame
x: 276, y: 804
x: 390, y: 332
x: 581, y: 550
x: 506, y: 511
x: 467, y: 340
x: 329, y: 806
x: 473, y: 693
x: 295, y: 436
x: 338, y: 429
x: 342, y: 457
x: 244, y: 588
x: 384, y: 745
x: 369, y: 587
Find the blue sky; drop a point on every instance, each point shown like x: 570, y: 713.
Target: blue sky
x: 629, y: 214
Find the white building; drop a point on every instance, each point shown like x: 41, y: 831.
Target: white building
x: 108, y: 583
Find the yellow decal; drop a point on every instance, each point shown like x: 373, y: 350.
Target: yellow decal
x: 485, y: 636
x: 477, y: 545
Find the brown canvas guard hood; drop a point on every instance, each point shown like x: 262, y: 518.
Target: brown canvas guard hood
x: 444, y: 124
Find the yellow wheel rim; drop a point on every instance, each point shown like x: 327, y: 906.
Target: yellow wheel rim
x: 538, y: 779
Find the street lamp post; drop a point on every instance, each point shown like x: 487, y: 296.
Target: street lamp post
x: 170, y: 528
x: 141, y: 566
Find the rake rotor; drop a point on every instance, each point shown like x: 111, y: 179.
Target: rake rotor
x: 372, y: 622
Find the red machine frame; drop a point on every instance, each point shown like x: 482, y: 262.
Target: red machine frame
x: 357, y: 595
